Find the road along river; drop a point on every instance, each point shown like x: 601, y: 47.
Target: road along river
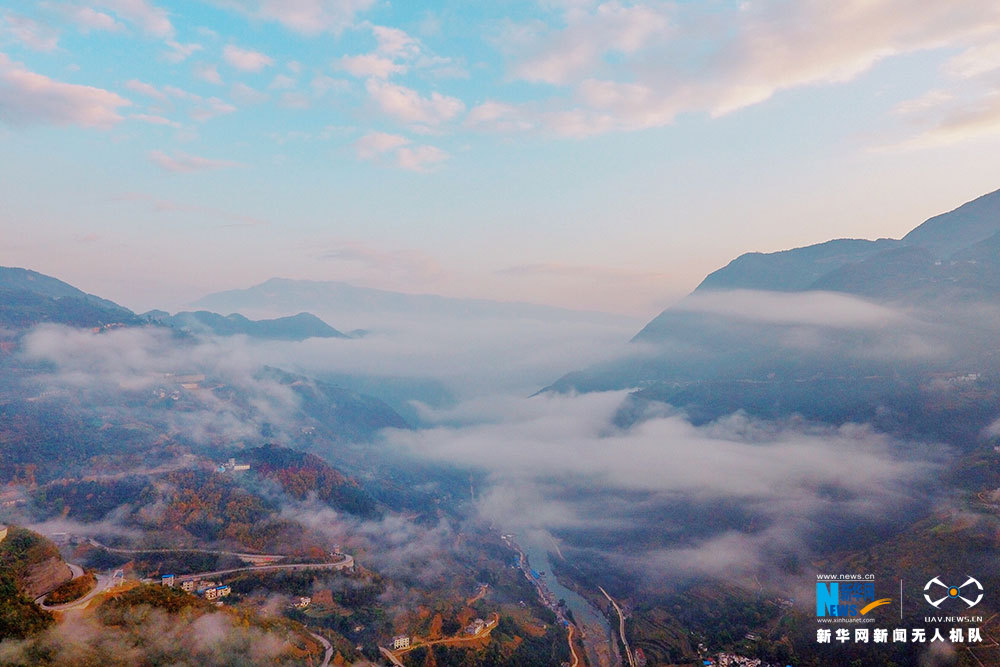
x: 598, y: 640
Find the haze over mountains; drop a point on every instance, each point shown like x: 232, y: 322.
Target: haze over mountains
x: 847, y: 307
x: 281, y: 296
x: 30, y: 298
x: 724, y: 465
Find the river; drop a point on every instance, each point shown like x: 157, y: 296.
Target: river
x: 601, y: 648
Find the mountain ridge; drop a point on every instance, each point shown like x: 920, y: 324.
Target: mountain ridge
x: 285, y: 295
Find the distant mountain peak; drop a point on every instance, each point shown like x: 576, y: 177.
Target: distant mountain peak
x: 959, y: 228
x: 294, y: 327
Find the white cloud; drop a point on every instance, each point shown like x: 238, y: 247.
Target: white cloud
x: 185, y: 162
x: 87, y: 18
x: 375, y: 144
x: 564, y: 454
x: 322, y: 84
x: 208, y: 73
x: 29, y: 32
x: 975, y: 61
x: 419, y: 158
x: 153, y: 119
x: 150, y: 18
x: 245, y: 59
x: 827, y: 309
x: 559, y: 57
x: 144, y: 88
x: 409, y: 106
x: 309, y: 17
x: 499, y: 117
x: 635, y: 66
x: 294, y: 100
x: 282, y: 82
x: 245, y: 94
x: 181, y: 94
x: 370, y: 65
x: 211, y: 108
x: 179, y: 52
x: 978, y: 119
x: 28, y: 98
x: 395, y: 43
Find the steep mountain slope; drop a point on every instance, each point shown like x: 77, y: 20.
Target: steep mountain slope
x: 795, y: 269
x: 936, y: 254
x: 896, y: 310
x: 32, y: 561
x: 28, y: 298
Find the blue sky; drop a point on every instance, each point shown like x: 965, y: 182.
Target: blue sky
x: 589, y: 154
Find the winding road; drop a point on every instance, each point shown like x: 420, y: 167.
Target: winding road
x: 103, y: 582
x: 621, y: 627
x: 343, y: 564
x: 328, y: 654
x: 572, y: 649
x: 193, y: 550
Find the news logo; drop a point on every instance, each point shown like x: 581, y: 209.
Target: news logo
x: 846, y: 598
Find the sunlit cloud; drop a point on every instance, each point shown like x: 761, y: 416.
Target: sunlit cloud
x: 186, y: 163
x: 28, y: 98
x: 245, y: 59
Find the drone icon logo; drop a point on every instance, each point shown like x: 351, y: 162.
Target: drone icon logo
x: 953, y: 592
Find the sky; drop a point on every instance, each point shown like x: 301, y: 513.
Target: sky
x: 595, y: 155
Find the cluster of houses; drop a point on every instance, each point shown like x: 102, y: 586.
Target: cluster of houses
x: 475, y: 627
x: 209, y: 590
x: 734, y: 660
x: 232, y: 466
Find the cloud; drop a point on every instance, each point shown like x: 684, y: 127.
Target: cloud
x: 420, y: 158
x: 185, y: 162
x: 245, y: 94
x: 414, y: 158
x: 28, y: 98
x: 145, y: 89
x: 949, y: 121
x: 975, y: 61
x: 211, y: 108
x: 179, y: 52
x: 828, y: 309
x: 558, y: 464
x: 293, y: 100
x: 322, y: 84
x: 498, y: 117
x: 395, y: 43
x: 309, y: 17
x: 245, y: 59
x: 375, y: 144
x: 151, y: 19
x: 407, y: 105
x: 208, y: 73
x: 560, y: 56
x: 153, y: 119
x: 370, y: 65
x: 87, y: 18
x: 29, y: 32
x: 629, y: 67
